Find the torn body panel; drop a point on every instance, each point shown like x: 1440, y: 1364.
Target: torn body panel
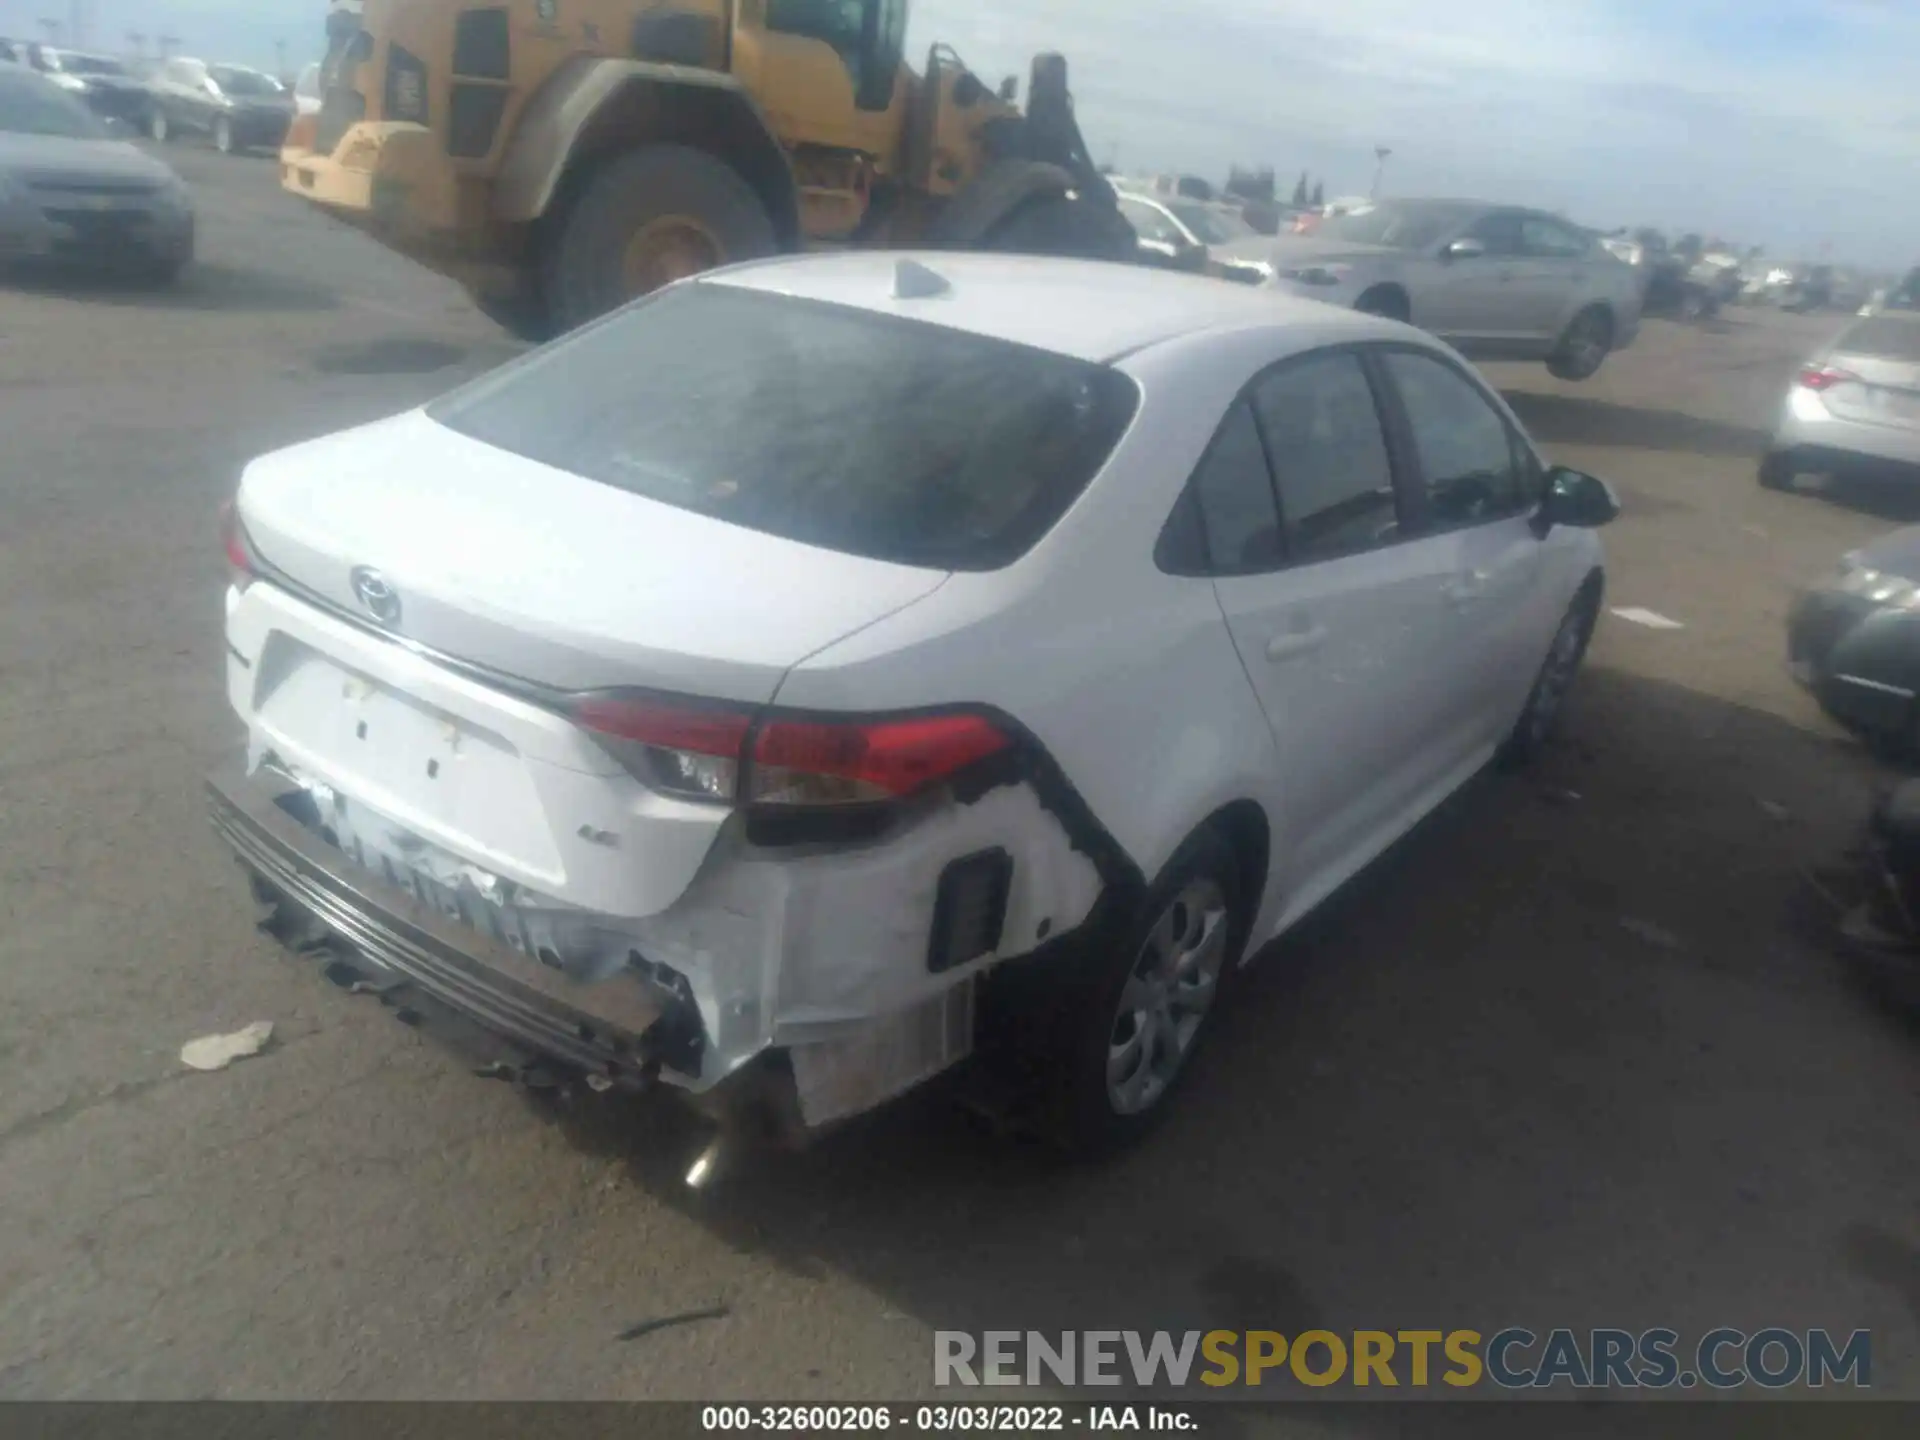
x: 544, y: 848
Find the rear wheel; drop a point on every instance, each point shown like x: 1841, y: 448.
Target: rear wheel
x: 1584, y: 346
x: 647, y: 219
x: 1139, y: 1021
x: 1778, y: 469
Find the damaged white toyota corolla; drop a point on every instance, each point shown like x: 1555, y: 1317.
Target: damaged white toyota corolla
x: 830, y: 669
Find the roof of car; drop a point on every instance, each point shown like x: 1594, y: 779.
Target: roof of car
x: 1090, y: 309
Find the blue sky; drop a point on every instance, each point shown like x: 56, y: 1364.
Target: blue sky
x: 1789, y: 123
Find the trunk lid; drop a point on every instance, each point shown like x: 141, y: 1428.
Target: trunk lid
x: 551, y: 578
x: 1883, y: 351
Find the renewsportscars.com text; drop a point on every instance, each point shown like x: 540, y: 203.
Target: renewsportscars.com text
x: 1514, y: 1358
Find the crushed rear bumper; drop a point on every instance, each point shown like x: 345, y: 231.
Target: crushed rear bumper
x: 614, y: 1029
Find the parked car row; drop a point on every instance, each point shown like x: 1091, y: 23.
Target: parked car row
x: 233, y: 107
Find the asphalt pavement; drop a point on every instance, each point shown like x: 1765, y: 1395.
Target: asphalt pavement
x: 1571, y: 1056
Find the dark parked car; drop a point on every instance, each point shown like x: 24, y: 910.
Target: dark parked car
x: 1854, y: 641
x: 105, y: 85
x: 234, y: 107
x: 70, y: 191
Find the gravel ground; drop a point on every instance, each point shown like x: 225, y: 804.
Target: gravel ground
x: 1557, y: 1061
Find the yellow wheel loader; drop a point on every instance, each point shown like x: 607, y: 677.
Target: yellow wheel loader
x: 560, y: 157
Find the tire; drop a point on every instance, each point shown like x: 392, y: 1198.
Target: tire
x: 701, y: 214
x: 157, y: 127
x: 1071, y: 228
x: 221, y: 135
x: 1540, y: 716
x: 1777, y: 470
x: 1386, y: 302
x: 1584, y: 346
x: 1194, y: 918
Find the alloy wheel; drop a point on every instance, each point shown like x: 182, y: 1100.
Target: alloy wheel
x: 1167, y: 997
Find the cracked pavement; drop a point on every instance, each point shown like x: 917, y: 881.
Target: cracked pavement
x: 1471, y: 1093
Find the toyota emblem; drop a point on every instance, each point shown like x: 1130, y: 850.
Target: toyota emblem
x: 381, y: 600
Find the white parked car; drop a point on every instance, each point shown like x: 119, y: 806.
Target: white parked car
x: 827, y: 668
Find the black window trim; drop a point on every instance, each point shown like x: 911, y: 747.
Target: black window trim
x: 1409, y: 486
x: 1401, y: 428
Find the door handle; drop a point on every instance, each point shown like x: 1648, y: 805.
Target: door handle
x: 1296, y: 643
x: 1470, y: 587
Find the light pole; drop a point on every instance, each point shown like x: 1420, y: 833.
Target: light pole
x: 1380, y: 154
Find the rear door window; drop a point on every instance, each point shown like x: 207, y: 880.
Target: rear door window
x: 1499, y: 232
x: 1233, y: 492
x: 834, y: 426
x: 1330, y: 456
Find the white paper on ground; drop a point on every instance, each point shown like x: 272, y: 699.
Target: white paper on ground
x: 1652, y: 619
x: 216, y: 1052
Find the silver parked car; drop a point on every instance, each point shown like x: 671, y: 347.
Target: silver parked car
x: 1496, y: 282
x: 70, y: 192
x: 1856, y: 402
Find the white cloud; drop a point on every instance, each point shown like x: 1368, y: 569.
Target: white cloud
x: 1784, y: 120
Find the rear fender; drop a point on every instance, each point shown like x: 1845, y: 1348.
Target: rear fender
x: 595, y: 106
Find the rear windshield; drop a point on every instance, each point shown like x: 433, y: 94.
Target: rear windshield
x: 1886, y: 337
x: 858, y: 432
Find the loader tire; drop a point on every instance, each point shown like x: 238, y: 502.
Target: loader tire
x: 1060, y: 225
x: 643, y: 220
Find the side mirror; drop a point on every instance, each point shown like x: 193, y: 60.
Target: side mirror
x: 1464, y: 249
x: 1578, y: 500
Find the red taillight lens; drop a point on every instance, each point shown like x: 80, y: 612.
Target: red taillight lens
x: 1823, y: 377
x: 233, y: 539
x: 689, y: 750
x: 804, y: 762
x: 703, y: 752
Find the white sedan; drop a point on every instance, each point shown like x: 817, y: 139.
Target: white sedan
x: 830, y: 668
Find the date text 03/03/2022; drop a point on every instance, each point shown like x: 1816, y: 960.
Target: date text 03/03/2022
x: 942, y: 1419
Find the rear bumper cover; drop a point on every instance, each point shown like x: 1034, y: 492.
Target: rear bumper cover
x: 611, y: 1028
x: 1858, y: 659
x: 1807, y: 425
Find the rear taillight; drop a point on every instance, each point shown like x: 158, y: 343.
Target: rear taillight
x: 685, y: 749
x: 242, y: 568
x: 1823, y: 377
x: 812, y: 762
x: 717, y: 753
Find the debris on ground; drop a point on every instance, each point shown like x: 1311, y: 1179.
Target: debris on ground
x: 1651, y: 933
x: 1776, y: 810
x: 1652, y: 619
x: 1557, y: 795
x: 667, y: 1322
x: 216, y: 1052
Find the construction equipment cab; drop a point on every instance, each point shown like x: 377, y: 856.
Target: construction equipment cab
x: 561, y: 157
